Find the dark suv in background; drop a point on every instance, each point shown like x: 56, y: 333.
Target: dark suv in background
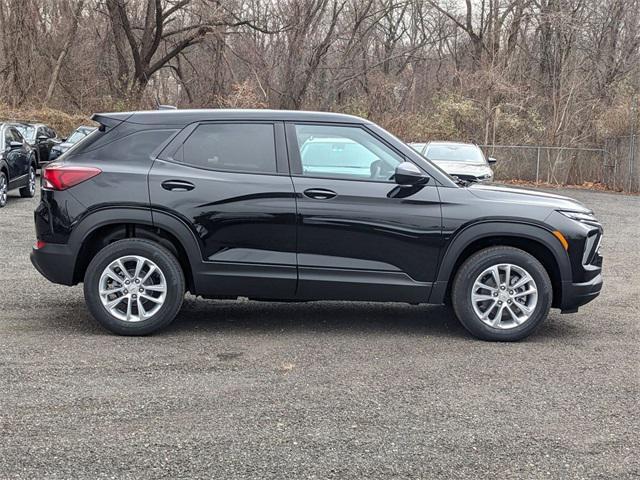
x: 17, y: 166
x: 41, y: 138
x: 266, y: 205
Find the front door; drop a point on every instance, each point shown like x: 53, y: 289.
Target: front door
x: 228, y: 182
x: 17, y: 158
x: 360, y: 235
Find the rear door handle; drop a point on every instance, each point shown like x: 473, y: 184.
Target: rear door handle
x: 177, y: 185
x: 320, y: 193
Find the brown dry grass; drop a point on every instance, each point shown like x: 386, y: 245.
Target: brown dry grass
x: 62, y: 122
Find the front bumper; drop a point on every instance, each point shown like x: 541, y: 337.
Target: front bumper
x: 575, y: 295
x: 55, y: 262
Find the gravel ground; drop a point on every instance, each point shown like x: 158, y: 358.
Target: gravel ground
x: 319, y: 390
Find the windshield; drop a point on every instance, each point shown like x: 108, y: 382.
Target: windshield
x: 81, y: 140
x: 78, y: 135
x: 27, y: 131
x: 418, y: 147
x: 454, y: 153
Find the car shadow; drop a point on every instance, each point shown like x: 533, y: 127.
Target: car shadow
x: 204, y: 317
x: 315, y: 317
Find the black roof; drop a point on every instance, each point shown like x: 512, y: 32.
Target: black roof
x: 183, y: 117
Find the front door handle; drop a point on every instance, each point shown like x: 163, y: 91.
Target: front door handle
x: 320, y: 193
x: 177, y: 185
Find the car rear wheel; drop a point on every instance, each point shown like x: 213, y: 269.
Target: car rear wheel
x: 501, y: 294
x: 4, y: 187
x: 29, y: 190
x: 134, y: 287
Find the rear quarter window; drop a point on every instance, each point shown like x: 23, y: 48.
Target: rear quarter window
x: 141, y: 145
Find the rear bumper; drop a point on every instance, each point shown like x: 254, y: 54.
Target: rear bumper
x: 54, y: 262
x: 575, y: 295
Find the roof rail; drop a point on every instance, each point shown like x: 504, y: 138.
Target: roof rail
x: 167, y: 107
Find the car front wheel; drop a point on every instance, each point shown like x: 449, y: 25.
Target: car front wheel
x: 134, y: 287
x: 501, y: 294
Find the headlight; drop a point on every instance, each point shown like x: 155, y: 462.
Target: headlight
x: 579, y: 216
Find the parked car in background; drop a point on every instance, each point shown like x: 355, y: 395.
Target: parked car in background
x: 77, y: 135
x: 41, y: 138
x: 17, y: 165
x: 463, y: 160
x: 299, y: 206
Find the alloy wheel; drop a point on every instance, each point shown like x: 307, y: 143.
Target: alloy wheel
x: 3, y: 190
x: 504, y: 296
x: 132, y: 288
x: 32, y: 181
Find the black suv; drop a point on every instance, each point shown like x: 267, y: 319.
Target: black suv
x: 17, y: 165
x: 41, y: 138
x: 277, y: 205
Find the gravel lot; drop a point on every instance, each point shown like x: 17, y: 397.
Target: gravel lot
x: 319, y: 390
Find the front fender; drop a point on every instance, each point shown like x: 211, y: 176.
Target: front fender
x: 487, y: 229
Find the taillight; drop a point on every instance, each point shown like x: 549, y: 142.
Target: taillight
x: 39, y: 244
x: 61, y: 177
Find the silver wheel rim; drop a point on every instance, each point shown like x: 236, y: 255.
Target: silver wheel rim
x: 3, y: 190
x: 132, y: 288
x: 504, y: 296
x: 32, y: 181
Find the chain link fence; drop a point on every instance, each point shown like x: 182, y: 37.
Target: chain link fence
x: 615, y: 166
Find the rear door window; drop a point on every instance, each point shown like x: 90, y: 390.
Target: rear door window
x: 233, y: 147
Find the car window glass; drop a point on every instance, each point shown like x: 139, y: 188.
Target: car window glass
x: 134, y: 147
x: 8, y: 137
x: 237, y: 147
x: 17, y: 136
x: 344, y: 152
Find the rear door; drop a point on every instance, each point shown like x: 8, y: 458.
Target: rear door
x: 228, y: 182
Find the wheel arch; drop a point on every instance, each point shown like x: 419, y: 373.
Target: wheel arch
x: 103, y: 227
x: 533, y: 239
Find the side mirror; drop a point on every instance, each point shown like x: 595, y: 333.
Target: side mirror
x: 407, y: 174
x: 15, y: 145
x: 491, y: 160
x: 43, y: 138
x: 63, y: 139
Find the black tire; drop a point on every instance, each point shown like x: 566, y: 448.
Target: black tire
x: 4, y: 188
x: 478, y: 263
x: 152, y: 251
x: 29, y: 191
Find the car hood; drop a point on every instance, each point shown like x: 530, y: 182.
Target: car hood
x: 462, y: 168
x: 65, y: 145
x: 526, y: 197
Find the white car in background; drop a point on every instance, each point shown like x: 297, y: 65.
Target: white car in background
x: 463, y: 160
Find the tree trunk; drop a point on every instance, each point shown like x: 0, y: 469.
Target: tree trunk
x: 63, y: 53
